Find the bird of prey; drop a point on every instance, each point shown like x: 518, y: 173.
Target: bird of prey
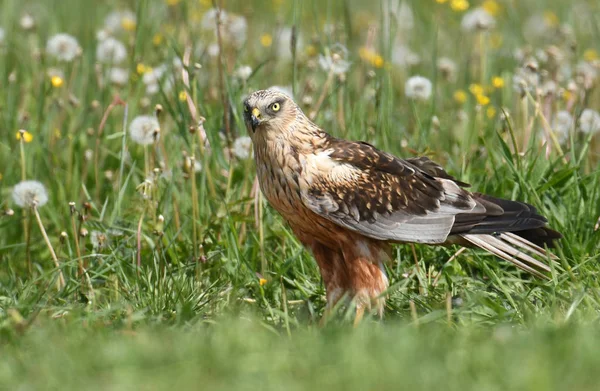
x: 348, y: 202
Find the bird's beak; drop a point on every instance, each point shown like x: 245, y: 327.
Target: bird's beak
x: 255, y: 118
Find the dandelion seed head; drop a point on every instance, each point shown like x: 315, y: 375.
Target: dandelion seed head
x: 562, y: 124
x: 27, y: 22
x: 242, y: 147
x: 589, y: 121
x: 404, y: 57
x: 63, y: 47
x: 118, y: 76
x: 447, y: 68
x: 111, y: 51
x: 335, y: 60
x: 478, y: 19
x: 27, y: 194
x: 418, y: 88
x: 243, y: 72
x: 284, y: 40
x: 144, y: 129
x: 119, y: 20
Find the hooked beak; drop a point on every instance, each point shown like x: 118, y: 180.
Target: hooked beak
x: 255, y: 118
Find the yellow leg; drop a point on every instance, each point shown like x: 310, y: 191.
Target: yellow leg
x: 360, y: 312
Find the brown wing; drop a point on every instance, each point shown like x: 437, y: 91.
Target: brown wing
x: 383, y: 197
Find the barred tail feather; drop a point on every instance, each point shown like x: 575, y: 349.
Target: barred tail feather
x: 508, y: 246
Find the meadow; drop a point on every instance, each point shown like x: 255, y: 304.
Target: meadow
x: 136, y: 251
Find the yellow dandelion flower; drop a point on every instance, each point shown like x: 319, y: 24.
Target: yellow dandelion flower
x: 27, y: 137
x: 460, y: 96
x: 372, y: 57
x: 311, y: 50
x: 490, y: 112
x: 182, y: 96
x: 496, y: 41
x: 482, y: 99
x: 266, y: 40
x: 172, y: 2
x: 551, y: 19
x: 567, y: 95
x: 141, y: 68
x: 476, y: 89
x: 590, y: 55
x: 128, y: 24
x: 57, y: 133
x: 492, y: 7
x: 56, y: 81
x: 157, y: 39
x: 459, y: 5
x: 262, y: 282
x: 497, y: 82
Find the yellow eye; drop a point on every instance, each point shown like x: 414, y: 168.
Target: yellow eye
x: 275, y: 106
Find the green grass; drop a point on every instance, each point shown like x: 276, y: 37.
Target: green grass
x: 225, y: 296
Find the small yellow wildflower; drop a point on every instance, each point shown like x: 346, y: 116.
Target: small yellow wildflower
x: 57, y: 133
x: 490, y: 112
x: 492, y: 7
x: 551, y: 19
x: 182, y: 96
x: 482, y: 99
x: 590, y: 55
x: 370, y: 56
x: 56, y: 81
x: 172, y: 2
x: 497, y: 82
x: 567, y: 95
x: 266, y: 40
x: 496, y: 41
x: 128, y: 24
x: 262, y: 282
x: 157, y: 39
x: 311, y: 51
x: 27, y: 137
x: 460, y: 96
x: 141, y: 68
x: 476, y: 89
x: 459, y: 5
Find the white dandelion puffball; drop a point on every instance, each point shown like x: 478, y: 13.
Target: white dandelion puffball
x: 115, y: 20
x: 242, y: 147
x: 111, y: 51
x: 27, y: 22
x: 144, y: 130
x: 118, y: 76
x: 284, y: 43
x: 403, y: 56
x: 335, y: 60
x: 26, y: 194
x: 477, y: 20
x: 236, y: 30
x: 589, y: 121
x: 418, y: 88
x: 63, y: 47
x: 243, y: 72
x: 562, y: 124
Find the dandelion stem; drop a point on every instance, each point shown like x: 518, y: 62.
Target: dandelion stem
x: 61, y: 278
x: 115, y: 102
x: 139, y: 242
x: 26, y: 230
x: 76, y: 236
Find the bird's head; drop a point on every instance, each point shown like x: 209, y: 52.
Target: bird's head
x: 269, y: 111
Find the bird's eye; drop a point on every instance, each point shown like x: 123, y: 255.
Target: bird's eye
x: 275, y: 106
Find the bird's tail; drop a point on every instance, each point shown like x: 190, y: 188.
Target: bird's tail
x: 514, y: 249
